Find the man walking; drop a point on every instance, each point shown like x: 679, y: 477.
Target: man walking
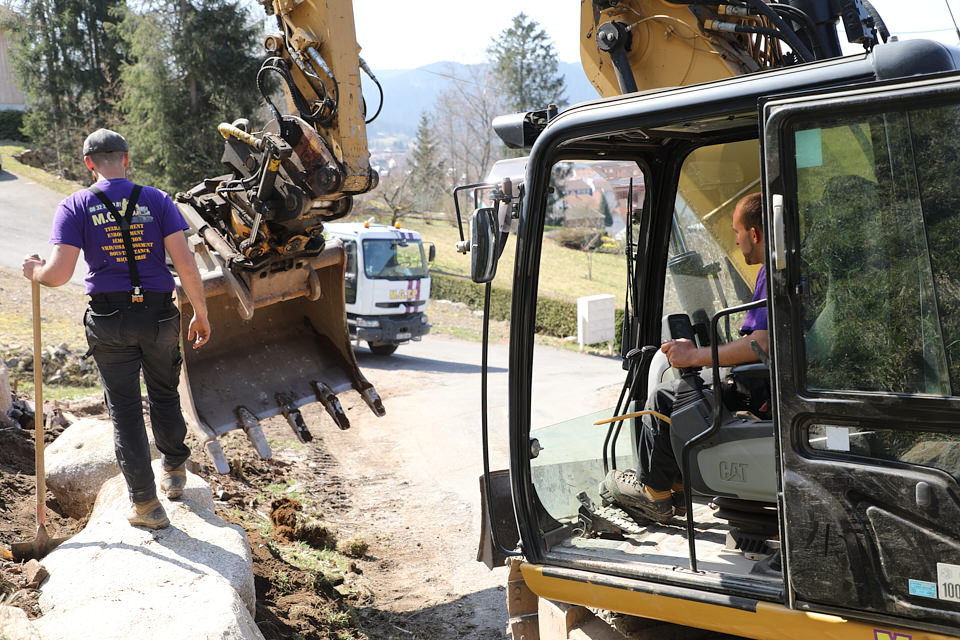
x: 132, y: 324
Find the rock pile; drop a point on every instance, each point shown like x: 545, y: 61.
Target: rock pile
x: 61, y: 366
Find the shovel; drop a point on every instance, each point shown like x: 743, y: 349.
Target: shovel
x: 42, y: 544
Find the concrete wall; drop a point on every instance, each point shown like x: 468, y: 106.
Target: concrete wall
x: 11, y: 97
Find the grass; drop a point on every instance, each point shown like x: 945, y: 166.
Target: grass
x: 564, y: 273
x: 9, y: 148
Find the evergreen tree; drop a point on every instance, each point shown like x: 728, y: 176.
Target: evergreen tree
x: 526, y: 67
x: 67, y: 57
x: 427, y: 175
x: 192, y: 67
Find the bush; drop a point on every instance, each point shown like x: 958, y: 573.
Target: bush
x: 11, y: 123
x: 555, y: 317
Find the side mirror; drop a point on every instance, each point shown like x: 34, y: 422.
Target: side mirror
x: 483, y: 244
x: 431, y: 252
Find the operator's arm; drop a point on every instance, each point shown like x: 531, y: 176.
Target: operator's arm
x: 176, y: 246
x: 53, y: 272
x: 683, y: 353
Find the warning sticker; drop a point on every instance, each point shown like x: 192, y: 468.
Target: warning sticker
x: 923, y: 588
x: 948, y: 581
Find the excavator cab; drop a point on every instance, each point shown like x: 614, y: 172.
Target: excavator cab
x: 831, y: 512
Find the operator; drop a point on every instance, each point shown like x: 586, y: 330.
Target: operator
x: 131, y: 323
x: 657, y: 491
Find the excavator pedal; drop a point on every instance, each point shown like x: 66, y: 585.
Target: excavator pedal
x: 604, y: 520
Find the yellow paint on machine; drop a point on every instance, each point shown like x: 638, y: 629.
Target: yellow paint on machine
x: 768, y: 621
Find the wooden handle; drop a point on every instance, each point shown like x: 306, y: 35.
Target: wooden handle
x: 38, y: 410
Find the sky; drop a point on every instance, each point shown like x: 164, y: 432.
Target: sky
x: 411, y: 33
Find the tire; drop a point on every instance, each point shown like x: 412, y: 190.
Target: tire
x: 382, y: 348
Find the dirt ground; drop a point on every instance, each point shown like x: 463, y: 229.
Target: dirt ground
x: 389, y: 574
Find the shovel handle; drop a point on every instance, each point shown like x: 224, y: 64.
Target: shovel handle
x: 38, y: 409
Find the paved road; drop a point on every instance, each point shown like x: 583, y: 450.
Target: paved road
x: 26, y: 215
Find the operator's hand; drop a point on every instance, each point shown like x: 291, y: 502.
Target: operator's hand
x: 198, y: 331
x: 681, y: 353
x: 30, y: 264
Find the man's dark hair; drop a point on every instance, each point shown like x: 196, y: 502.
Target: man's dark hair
x: 752, y: 212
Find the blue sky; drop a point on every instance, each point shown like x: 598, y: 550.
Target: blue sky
x: 412, y: 33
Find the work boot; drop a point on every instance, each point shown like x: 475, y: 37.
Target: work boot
x: 172, y: 481
x: 624, y: 489
x: 148, y: 514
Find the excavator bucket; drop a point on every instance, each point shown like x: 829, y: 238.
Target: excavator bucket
x: 279, y: 340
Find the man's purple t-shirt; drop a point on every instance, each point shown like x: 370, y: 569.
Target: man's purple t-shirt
x: 756, y: 319
x: 83, y: 221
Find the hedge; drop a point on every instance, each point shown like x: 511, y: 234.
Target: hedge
x: 554, y: 317
x: 11, y: 122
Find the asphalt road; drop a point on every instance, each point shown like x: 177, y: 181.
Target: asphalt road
x: 26, y: 216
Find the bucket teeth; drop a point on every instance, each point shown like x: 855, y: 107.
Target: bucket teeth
x: 331, y: 403
x: 251, y: 426
x: 292, y: 414
x: 372, y: 398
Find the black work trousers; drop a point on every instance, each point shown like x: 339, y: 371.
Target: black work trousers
x: 125, y: 339
x: 658, y: 468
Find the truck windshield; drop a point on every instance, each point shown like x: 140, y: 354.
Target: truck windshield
x: 392, y: 259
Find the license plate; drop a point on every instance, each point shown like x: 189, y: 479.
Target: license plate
x: 403, y: 335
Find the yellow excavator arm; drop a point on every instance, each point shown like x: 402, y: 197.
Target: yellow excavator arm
x: 274, y: 284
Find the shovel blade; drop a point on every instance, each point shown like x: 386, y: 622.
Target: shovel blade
x: 40, y: 546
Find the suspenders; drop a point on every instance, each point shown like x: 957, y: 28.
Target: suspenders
x: 124, y: 222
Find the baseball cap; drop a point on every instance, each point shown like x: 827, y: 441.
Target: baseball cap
x: 104, y: 141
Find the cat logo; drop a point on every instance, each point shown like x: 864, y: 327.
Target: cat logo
x: 733, y: 471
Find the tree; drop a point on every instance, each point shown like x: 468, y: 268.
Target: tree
x: 427, y: 175
x: 526, y: 67
x: 182, y: 81
x: 67, y: 57
x: 462, y: 117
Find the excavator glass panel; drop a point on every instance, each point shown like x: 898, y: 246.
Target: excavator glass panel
x: 579, y: 441
x: 865, y: 320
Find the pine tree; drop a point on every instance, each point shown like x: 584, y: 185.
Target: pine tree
x: 192, y: 67
x: 67, y: 56
x: 525, y: 64
x: 427, y: 174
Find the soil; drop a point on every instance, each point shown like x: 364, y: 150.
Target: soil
x: 391, y: 575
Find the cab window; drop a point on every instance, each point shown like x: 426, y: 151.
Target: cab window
x: 879, y: 277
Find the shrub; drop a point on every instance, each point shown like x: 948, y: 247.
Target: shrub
x: 555, y: 317
x: 11, y: 123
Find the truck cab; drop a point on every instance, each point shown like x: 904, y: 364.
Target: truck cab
x: 387, y: 283
x: 835, y: 512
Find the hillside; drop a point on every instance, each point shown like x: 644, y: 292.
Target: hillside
x: 409, y: 92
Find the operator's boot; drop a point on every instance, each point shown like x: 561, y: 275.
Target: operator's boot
x: 148, y: 514
x: 172, y: 481
x: 624, y: 489
x: 679, y: 504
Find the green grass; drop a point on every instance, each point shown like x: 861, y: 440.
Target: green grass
x: 564, y: 273
x: 8, y: 149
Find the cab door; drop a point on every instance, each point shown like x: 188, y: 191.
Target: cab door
x: 863, y: 218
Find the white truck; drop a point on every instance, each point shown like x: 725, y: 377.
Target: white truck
x: 387, y: 283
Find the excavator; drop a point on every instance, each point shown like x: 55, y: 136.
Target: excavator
x: 274, y: 284
x: 827, y: 506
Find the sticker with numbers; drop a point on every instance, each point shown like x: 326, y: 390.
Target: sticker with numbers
x: 948, y: 581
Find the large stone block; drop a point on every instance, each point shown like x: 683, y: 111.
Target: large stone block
x: 79, y: 461
x: 193, y: 579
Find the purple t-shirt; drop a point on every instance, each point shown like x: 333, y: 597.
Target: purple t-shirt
x: 85, y: 222
x: 756, y: 319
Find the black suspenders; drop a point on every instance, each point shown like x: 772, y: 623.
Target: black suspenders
x: 124, y: 222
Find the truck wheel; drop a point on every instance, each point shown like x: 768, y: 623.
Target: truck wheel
x: 382, y: 348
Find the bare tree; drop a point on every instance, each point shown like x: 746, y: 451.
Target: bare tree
x: 462, y: 120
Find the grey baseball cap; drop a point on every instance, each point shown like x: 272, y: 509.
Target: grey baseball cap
x: 104, y: 141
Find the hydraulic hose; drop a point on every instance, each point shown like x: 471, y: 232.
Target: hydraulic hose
x: 878, y: 22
